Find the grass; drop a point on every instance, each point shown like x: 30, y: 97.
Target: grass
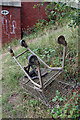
x: 16, y: 102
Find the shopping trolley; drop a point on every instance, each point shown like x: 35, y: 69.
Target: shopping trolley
x: 42, y: 83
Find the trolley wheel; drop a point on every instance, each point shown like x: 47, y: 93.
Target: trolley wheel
x: 32, y: 59
x: 61, y: 40
x: 23, y: 43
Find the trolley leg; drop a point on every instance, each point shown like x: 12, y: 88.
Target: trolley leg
x: 43, y: 99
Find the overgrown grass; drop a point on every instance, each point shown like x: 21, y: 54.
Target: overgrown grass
x: 16, y: 103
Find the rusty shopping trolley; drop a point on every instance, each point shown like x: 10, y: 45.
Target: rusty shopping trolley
x: 42, y: 83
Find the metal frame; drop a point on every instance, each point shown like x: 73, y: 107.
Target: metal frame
x: 59, y: 70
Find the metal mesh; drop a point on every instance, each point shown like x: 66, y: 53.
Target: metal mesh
x: 49, y: 92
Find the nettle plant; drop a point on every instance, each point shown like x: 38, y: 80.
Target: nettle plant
x: 58, y: 13
x: 69, y: 108
x: 74, y: 18
x: 47, y: 55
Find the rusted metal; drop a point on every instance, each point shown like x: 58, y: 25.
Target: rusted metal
x: 52, y: 78
x: 38, y: 80
x: 11, y: 51
x: 39, y: 74
x: 61, y: 40
x: 64, y: 51
x: 26, y: 73
x: 35, y: 58
x: 21, y: 53
x: 52, y: 68
x: 23, y: 43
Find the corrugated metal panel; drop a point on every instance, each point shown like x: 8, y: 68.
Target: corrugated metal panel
x: 72, y: 3
x: 14, y: 3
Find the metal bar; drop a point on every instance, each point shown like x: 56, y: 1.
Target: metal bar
x: 25, y: 82
x: 51, y: 77
x: 34, y: 87
x: 40, y: 78
x: 66, y: 83
x: 30, y: 92
x: 21, y: 53
x: 65, y: 86
x: 64, y: 51
x: 41, y: 98
x: 52, y: 68
x: 34, y: 70
x: 37, y: 88
x: 47, y: 102
x: 49, y: 81
x: 36, y: 77
x: 26, y: 73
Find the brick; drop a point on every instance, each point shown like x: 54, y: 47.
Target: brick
x: 19, y: 18
x: 30, y: 15
x: 11, y: 24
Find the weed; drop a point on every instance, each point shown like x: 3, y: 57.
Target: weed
x: 47, y: 48
x: 59, y: 13
x: 69, y: 109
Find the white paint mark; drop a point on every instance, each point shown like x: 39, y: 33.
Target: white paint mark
x: 8, y: 25
x: 4, y: 12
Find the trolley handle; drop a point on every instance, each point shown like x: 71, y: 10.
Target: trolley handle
x: 61, y: 40
x: 23, y: 43
x: 11, y: 51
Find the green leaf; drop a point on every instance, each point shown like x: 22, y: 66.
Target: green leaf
x: 46, y: 52
x: 54, y: 99
x: 52, y: 12
x: 74, y: 93
x: 61, y: 99
x: 69, y: 116
x: 48, y: 110
x: 71, y: 112
x: 61, y: 115
x: 76, y: 102
x: 57, y: 92
x: 65, y: 111
x: 34, y: 6
x: 65, y: 99
x: 55, y: 115
x: 66, y: 106
x: 64, y: 116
